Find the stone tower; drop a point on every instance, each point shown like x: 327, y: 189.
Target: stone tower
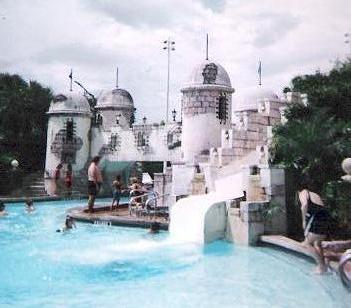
x: 206, y: 109
x: 68, y: 132
x: 116, y: 108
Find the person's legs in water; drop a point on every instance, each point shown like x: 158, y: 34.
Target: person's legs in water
x: 314, y: 240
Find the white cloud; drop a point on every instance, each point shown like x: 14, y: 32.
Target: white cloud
x: 44, y: 39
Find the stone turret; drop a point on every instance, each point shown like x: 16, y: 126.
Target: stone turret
x: 116, y: 108
x: 68, y: 128
x: 206, y: 109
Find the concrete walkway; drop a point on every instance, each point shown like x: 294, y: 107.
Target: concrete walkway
x: 297, y: 247
x: 116, y: 217
x: 289, y: 244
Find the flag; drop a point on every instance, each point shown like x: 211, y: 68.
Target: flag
x: 71, y: 74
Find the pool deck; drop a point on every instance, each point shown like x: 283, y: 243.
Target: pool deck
x: 117, y: 217
x: 296, y: 247
x: 288, y: 244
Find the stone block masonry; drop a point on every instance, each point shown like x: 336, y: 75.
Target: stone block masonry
x: 201, y: 102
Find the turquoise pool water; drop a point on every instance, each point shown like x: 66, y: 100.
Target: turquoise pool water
x: 106, y: 266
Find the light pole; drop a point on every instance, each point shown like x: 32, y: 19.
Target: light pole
x: 168, y: 45
x: 174, y: 114
x: 348, y: 40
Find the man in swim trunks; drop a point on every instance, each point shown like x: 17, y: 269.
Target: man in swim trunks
x: 94, y: 182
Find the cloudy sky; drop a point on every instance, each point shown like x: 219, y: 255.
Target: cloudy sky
x: 43, y: 39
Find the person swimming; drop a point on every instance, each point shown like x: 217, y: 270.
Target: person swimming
x: 154, y: 227
x: 69, y: 224
x: 2, y: 209
x: 29, y: 205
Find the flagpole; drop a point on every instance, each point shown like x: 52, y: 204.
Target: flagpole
x: 117, y: 78
x: 70, y: 77
x: 207, y: 46
x: 260, y: 73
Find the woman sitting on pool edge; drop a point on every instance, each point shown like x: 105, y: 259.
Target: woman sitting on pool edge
x: 69, y: 224
x: 315, y: 222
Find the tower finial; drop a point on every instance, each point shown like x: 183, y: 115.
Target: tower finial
x: 260, y: 74
x: 206, y: 46
x: 117, y: 78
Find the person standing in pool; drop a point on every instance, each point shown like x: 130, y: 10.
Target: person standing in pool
x: 315, y: 222
x: 94, y: 182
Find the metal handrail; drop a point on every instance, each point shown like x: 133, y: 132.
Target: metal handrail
x: 345, y: 278
x: 157, y: 196
x: 146, y: 205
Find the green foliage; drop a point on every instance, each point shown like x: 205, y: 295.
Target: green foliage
x: 338, y: 196
x: 23, y: 121
x: 314, y: 147
x: 317, y: 136
x: 272, y: 209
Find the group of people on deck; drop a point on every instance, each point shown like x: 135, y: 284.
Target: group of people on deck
x: 95, y: 182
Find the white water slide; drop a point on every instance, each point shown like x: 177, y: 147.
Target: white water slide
x: 203, y: 218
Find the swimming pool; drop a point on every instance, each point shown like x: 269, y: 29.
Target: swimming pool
x: 106, y: 266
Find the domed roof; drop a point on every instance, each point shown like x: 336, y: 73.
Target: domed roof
x: 69, y: 103
x: 209, y: 72
x: 116, y: 98
x: 251, y: 100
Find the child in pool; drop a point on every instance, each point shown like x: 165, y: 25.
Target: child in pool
x: 2, y: 209
x: 29, y: 205
x: 69, y: 224
x: 154, y: 227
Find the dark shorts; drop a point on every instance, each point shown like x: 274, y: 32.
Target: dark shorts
x: 116, y: 195
x: 92, y: 189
